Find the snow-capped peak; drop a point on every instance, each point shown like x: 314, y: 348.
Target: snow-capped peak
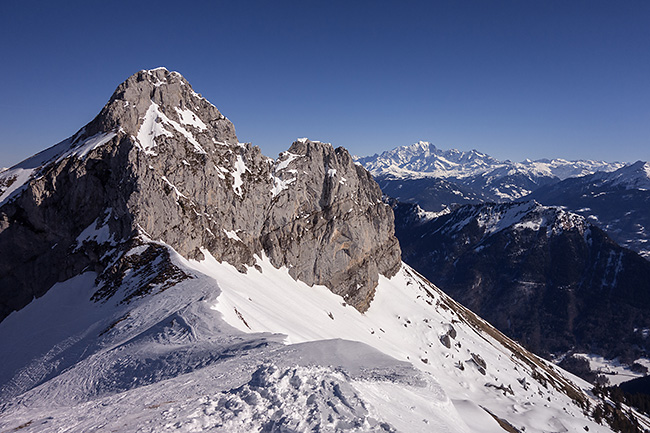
x: 423, y: 159
x: 633, y: 176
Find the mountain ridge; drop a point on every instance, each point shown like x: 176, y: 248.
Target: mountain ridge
x: 424, y: 159
x: 435, y: 178
x: 618, y: 202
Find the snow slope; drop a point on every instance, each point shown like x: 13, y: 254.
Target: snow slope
x: 234, y: 352
x: 406, y: 320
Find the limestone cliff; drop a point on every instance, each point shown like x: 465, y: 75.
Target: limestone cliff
x: 160, y: 163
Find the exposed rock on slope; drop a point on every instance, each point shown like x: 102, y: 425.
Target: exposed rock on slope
x: 160, y: 162
x: 543, y: 276
x: 327, y: 222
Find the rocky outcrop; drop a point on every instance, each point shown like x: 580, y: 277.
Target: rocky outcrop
x: 160, y: 163
x: 330, y: 225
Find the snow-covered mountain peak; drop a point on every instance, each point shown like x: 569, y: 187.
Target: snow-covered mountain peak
x: 492, y: 218
x: 436, y: 178
x: 155, y: 111
x: 423, y: 159
x: 633, y: 176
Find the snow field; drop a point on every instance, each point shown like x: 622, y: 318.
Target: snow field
x: 405, y: 321
x: 169, y: 361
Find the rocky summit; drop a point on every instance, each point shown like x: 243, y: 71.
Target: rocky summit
x: 160, y: 163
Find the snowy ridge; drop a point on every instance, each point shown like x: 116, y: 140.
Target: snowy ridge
x: 492, y: 218
x: 401, y: 322
x: 13, y: 180
x: 414, y: 362
x: 634, y: 176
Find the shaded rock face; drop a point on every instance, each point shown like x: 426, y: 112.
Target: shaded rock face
x: 330, y: 224
x: 160, y: 163
x: 541, y: 275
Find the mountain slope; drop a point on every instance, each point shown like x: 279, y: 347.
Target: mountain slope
x: 617, y: 202
x: 168, y: 361
x: 542, y: 275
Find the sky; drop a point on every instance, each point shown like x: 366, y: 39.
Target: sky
x: 515, y: 79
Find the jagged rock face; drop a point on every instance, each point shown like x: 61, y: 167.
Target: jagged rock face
x: 543, y: 276
x: 161, y: 163
x: 330, y: 224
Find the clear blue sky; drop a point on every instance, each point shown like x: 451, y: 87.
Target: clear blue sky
x: 515, y: 79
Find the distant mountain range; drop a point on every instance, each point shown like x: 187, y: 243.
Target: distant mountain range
x: 539, y: 248
x: 618, y: 202
x: 614, y: 196
x: 472, y: 177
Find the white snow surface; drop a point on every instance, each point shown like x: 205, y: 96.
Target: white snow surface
x: 98, y: 232
x: 634, y: 176
x: 281, y: 180
x: 232, y: 234
x: 188, y: 117
x: 613, y: 369
x: 227, y: 351
x: 240, y: 169
x: 150, y: 129
x: 14, y: 181
x: 285, y: 159
x: 88, y: 145
x: 153, y: 126
x: 402, y: 324
x: 173, y: 187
